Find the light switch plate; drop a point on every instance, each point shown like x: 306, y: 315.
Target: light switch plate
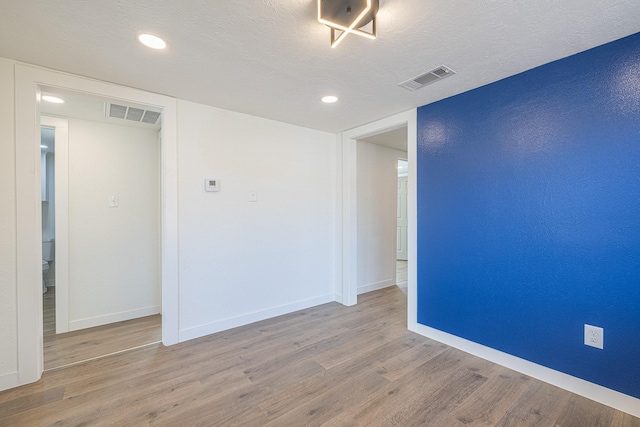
x: 113, y: 201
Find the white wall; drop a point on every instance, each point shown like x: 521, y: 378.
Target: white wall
x: 114, y: 252
x: 377, y: 171
x: 242, y: 261
x: 8, y: 315
x: 239, y: 261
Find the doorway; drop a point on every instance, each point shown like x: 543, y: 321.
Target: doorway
x: 107, y: 297
x: 379, y: 208
x: 348, y: 232
x: 29, y: 84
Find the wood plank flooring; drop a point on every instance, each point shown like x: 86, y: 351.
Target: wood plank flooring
x: 401, y: 275
x: 326, y: 366
x: 77, y: 346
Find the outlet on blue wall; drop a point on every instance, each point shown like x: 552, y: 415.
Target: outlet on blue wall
x: 529, y: 214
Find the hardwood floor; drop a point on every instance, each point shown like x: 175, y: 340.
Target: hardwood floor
x: 49, y: 310
x: 74, y: 347
x: 401, y: 275
x: 329, y: 365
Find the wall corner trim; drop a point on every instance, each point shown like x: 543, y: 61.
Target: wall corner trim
x: 592, y: 391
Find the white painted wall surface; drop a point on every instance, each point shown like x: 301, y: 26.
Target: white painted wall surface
x: 243, y: 261
x: 240, y: 261
x: 8, y: 315
x: 114, y: 252
x: 377, y: 171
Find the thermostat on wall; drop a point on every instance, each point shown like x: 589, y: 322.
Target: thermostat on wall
x: 211, y: 184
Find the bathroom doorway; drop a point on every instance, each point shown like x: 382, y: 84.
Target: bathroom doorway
x: 104, y: 297
x: 30, y: 83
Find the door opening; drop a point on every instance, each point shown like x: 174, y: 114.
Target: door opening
x: 106, y: 294
x: 381, y: 208
x: 348, y: 236
x: 30, y: 83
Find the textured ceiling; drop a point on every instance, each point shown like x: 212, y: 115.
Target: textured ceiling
x: 271, y: 58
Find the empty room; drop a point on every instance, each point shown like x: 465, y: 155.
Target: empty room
x: 320, y: 213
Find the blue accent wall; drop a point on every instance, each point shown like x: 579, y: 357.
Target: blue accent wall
x: 529, y: 214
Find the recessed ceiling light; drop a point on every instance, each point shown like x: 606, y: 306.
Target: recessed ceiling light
x: 52, y: 99
x: 152, y: 41
x: 330, y: 99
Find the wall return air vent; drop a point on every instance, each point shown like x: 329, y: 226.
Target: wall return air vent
x: 427, y: 78
x: 131, y: 113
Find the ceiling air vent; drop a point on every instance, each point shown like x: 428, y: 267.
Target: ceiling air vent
x: 131, y: 113
x: 427, y: 78
x: 150, y: 117
x: 134, y: 114
x: 117, y: 111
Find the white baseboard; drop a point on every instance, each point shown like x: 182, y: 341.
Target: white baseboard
x: 337, y: 298
x: 9, y: 380
x: 375, y: 286
x: 256, y: 316
x: 592, y: 391
x: 106, y: 319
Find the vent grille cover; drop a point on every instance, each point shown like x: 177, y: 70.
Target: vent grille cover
x: 134, y: 114
x: 427, y: 78
x: 131, y: 113
x: 118, y: 111
x: 150, y: 117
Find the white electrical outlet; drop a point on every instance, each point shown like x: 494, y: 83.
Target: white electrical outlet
x: 594, y: 336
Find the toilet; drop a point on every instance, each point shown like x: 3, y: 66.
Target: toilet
x: 47, y: 257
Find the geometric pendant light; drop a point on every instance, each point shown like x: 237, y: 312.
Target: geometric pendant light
x: 346, y: 17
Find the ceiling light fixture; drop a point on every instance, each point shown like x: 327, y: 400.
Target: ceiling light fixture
x: 52, y: 99
x: 330, y: 99
x: 348, y: 17
x: 152, y: 41
x: 44, y: 146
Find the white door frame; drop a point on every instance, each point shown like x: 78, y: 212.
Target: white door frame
x: 347, y: 293
x: 61, y: 140
x: 406, y: 206
x: 28, y: 206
